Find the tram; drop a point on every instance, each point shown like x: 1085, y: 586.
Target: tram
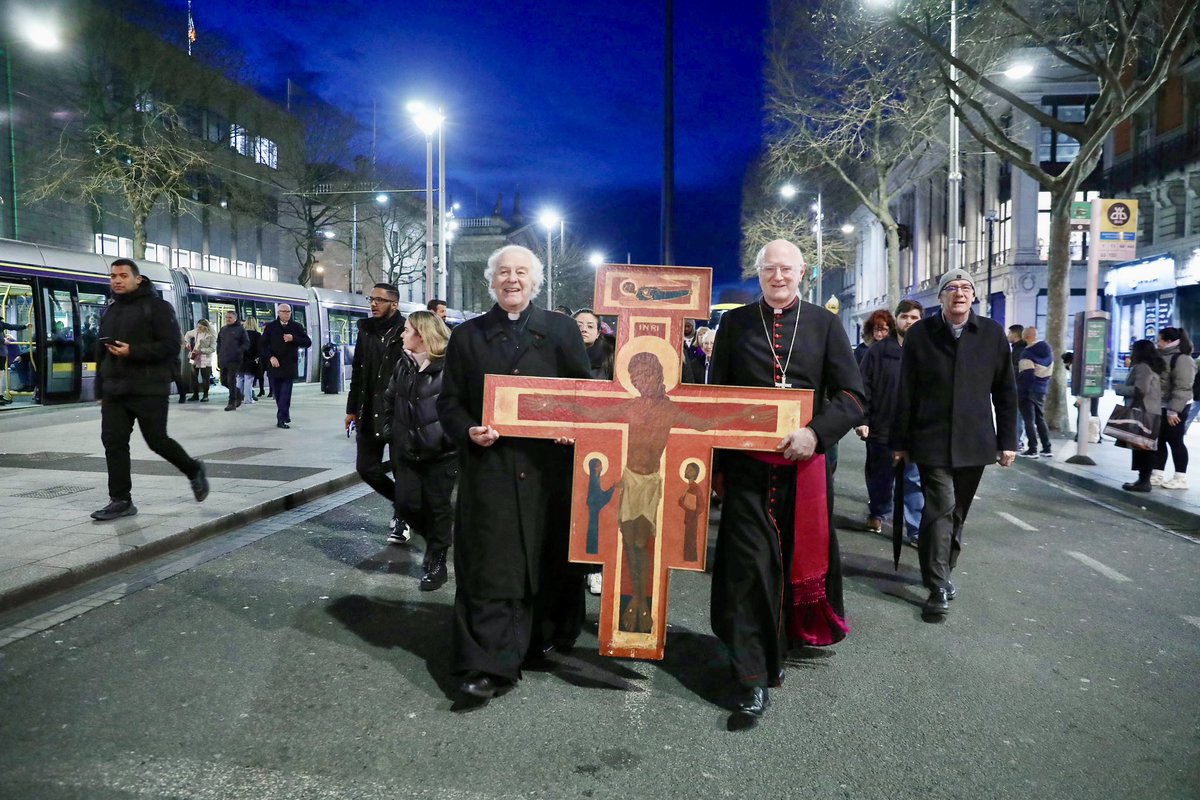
x: 51, y: 301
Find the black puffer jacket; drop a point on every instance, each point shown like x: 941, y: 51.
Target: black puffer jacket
x: 413, y: 427
x: 880, y: 370
x: 147, y: 324
x: 378, y: 350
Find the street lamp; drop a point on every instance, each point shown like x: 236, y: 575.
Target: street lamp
x: 788, y: 192
x: 549, y: 218
x: 39, y: 34
x: 429, y: 120
x: 596, y: 258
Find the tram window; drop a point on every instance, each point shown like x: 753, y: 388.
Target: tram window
x: 91, y: 308
x: 343, y: 327
x: 60, y: 356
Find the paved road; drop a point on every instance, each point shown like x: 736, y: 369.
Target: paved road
x: 305, y: 664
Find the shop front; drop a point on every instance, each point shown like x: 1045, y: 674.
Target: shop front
x: 1144, y: 300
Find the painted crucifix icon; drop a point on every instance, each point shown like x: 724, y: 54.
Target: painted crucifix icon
x: 643, y: 446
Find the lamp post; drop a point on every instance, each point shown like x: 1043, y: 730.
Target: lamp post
x: 788, y: 192
x: 991, y: 217
x: 41, y: 36
x: 428, y: 120
x: 549, y: 219
x: 954, y: 175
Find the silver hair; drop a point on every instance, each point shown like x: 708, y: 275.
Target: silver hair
x: 537, y: 271
x: 761, y: 256
x: 280, y: 306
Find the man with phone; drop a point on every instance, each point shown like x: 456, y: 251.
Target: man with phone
x: 139, y: 337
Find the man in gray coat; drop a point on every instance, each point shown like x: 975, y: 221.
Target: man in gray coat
x: 956, y: 368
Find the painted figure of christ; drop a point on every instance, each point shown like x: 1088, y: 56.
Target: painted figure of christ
x: 650, y: 417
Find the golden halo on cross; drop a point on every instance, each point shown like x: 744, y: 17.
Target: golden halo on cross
x: 587, y: 461
x: 648, y: 344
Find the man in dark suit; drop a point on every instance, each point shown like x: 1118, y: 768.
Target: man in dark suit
x: 956, y: 368
x: 282, y: 339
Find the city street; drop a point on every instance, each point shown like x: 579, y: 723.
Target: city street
x: 295, y: 658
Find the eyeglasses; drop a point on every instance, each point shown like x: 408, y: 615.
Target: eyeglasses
x: 374, y: 300
x: 770, y: 269
x: 955, y: 288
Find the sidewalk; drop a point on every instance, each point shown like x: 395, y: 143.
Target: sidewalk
x: 53, y: 472
x: 52, y: 469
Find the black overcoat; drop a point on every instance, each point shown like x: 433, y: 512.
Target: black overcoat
x: 287, y: 353
x: 880, y: 370
x: 516, y: 492
x: 948, y: 388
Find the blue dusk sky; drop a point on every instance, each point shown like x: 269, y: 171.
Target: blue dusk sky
x: 562, y: 102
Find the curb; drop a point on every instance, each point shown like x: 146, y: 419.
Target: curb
x: 1161, y: 508
x: 44, y: 587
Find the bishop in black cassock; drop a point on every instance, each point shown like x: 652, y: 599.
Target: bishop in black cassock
x: 784, y: 342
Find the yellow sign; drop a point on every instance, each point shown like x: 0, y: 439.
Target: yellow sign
x: 1118, y: 230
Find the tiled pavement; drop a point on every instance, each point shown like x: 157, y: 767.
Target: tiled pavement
x: 53, y: 474
x: 52, y: 471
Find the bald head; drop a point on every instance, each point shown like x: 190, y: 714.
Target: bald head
x: 1030, y: 335
x: 780, y: 267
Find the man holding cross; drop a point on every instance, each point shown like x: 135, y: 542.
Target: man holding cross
x: 767, y: 592
x: 514, y: 494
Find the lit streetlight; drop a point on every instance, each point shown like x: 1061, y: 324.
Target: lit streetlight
x: 788, y: 192
x: 596, y: 258
x: 1019, y: 70
x: 847, y: 229
x: 40, y: 34
x: 429, y: 120
x: 549, y: 218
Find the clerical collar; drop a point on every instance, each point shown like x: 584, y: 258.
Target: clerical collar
x: 777, y: 311
x: 513, y: 317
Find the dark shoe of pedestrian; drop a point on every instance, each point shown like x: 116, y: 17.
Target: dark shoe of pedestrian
x: 282, y: 425
x: 182, y: 398
x: 938, y: 604
x: 912, y: 541
x: 204, y: 399
x: 1136, y: 486
x: 874, y: 525
x: 435, y: 571
x: 777, y: 681
x: 1030, y: 453
x: 231, y: 407
x: 753, y: 702
x: 260, y: 394
x: 115, y: 509
x: 484, y: 687
x: 537, y: 658
x: 951, y: 591
x: 1047, y: 454
x: 195, y: 398
x: 200, y: 483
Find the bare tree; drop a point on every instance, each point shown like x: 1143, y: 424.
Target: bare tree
x: 1125, y: 49
x: 396, y: 242
x: 850, y: 105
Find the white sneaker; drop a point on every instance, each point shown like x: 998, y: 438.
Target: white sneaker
x: 595, y: 582
x: 1178, y: 482
x: 1157, y: 478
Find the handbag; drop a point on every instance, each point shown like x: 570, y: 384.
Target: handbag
x: 1134, y: 427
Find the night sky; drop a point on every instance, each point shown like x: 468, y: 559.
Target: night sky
x: 562, y: 102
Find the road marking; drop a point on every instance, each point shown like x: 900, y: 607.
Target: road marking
x: 1107, y: 572
x: 1193, y: 620
x: 1020, y: 523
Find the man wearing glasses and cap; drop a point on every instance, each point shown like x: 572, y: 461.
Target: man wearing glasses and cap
x: 376, y: 352
x: 955, y: 369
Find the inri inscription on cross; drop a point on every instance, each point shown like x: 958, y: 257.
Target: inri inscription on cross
x: 643, y: 446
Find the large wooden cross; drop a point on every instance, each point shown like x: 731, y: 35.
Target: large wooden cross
x: 643, y: 446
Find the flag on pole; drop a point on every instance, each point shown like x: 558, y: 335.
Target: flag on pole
x: 191, y: 32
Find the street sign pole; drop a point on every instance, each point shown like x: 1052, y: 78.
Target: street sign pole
x: 1093, y: 284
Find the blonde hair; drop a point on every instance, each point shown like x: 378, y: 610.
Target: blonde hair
x: 204, y: 323
x: 432, y: 330
x: 251, y: 324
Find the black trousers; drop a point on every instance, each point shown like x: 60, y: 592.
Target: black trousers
x: 1172, y: 436
x: 948, y: 494
x: 201, y: 378
x: 117, y: 415
x: 423, y: 490
x: 281, y: 388
x: 373, y: 468
x: 229, y: 379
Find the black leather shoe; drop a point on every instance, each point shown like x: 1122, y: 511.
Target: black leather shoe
x: 938, y: 603
x: 1136, y: 487
x: 115, y: 509
x: 435, y: 572
x: 951, y: 591
x: 200, y: 483
x: 231, y: 407
x: 484, y: 687
x: 282, y: 425
x: 754, y: 702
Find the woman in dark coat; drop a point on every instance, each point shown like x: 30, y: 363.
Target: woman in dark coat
x: 600, y: 348
x: 424, y: 465
x: 1143, y: 389
x: 513, y: 516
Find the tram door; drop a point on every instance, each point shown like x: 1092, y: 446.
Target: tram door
x: 59, y: 357
x: 216, y: 315
x: 18, y: 377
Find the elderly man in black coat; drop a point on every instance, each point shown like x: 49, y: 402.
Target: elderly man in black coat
x: 784, y: 342
x: 282, y: 340
x: 956, y: 368
x: 513, y: 515
x: 138, y: 341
